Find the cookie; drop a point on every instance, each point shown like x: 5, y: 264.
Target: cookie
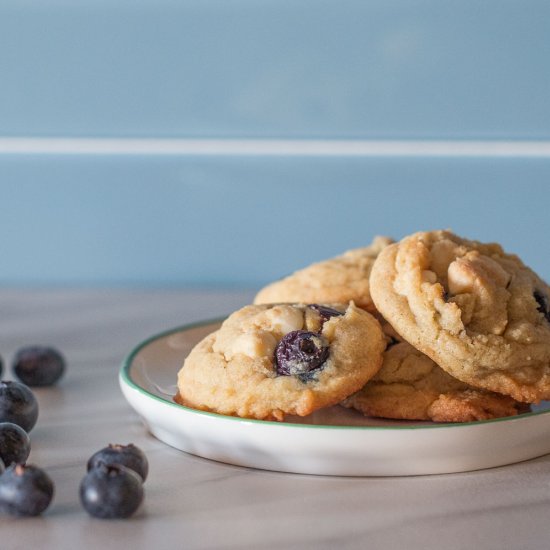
x: 267, y: 361
x: 410, y: 386
x: 477, y: 311
x: 337, y: 280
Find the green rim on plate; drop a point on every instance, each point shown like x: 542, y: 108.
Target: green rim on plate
x: 127, y: 379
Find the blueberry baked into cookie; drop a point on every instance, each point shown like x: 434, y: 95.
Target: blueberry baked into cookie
x: 267, y: 361
x: 336, y: 280
x: 477, y: 311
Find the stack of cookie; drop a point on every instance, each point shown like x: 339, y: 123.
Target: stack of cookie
x: 434, y: 327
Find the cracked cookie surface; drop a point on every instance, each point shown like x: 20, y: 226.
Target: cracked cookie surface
x: 336, y: 280
x: 478, y: 312
x: 267, y: 361
x: 410, y: 386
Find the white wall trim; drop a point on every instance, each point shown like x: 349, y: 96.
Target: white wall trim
x: 272, y: 147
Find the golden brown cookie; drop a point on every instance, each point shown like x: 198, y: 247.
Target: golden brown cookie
x: 267, y: 361
x: 410, y: 386
x: 337, y: 280
x: 478, y: 312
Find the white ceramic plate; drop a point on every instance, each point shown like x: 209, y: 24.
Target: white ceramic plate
x: 333, y: 441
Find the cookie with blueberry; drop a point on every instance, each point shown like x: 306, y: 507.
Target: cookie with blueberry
x: 409, y: 386
x: 480, y: 313
x: 336, y: 280
x: 268, y: 361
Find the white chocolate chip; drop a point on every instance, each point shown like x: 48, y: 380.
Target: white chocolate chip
x: 474, y: 272
x: 283, y: 319
x: 259, y: 344
x: 481, y: 284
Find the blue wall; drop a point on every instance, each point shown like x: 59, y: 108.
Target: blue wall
x: 439, y: 70
x: 219, y: 221
x: 291, y: 68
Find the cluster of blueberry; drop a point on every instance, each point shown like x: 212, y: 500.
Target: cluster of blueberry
x: 25, y: 490
x: 113, y: 486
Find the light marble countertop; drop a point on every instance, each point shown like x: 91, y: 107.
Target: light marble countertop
x: 194, y: 503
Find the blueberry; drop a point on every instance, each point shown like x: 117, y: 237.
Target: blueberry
x: 38, y: 365
x: 325, y: 312
x: 542, y: 302
x: 15, y: 444
x: 18, y: 405
x: 111, y: 491
x: 25, y: 490
x: 391, y: 342
x: 2, y: 466
x: 128, y: 455
x: 300, y: 353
